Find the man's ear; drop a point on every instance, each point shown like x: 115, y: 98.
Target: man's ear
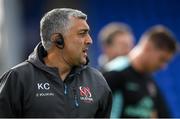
x: 54, y: 36
x: 58, y: 40
x: 149, y: 46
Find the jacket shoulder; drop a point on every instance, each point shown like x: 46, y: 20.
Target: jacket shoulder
x: 17, y: 72
x: 94, y: 72
x: 22, y: 66
x: 97, y: 77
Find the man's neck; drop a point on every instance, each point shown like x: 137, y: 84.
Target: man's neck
x: 135, y: 57
x: 52, y: 60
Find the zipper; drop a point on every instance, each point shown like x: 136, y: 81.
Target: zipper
x: 65, y: 88
x: 75, y: 98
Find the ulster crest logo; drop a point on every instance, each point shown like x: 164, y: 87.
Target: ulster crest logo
x: 85, y: 94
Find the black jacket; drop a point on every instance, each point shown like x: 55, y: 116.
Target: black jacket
x: 31, y: 89
x: 135, y: 94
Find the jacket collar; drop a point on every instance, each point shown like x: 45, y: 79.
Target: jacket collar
x: 36, y: 58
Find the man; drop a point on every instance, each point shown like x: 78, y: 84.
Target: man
x: 116, y: 39
x: 55, y: 81
x: 135, y: 93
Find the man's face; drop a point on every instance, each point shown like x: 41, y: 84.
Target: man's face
x: 77, y: 41
x: 157, y: 59
x: 121, y: 45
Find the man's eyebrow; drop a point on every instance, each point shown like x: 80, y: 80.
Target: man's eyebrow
x: 84, y: 30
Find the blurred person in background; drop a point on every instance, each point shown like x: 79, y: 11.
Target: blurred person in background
x: 55, y: 80
x: 116, y: 39
x: 135, y: 93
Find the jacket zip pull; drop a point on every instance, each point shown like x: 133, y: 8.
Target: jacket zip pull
x: 75, y: 98
x: 65, y: 89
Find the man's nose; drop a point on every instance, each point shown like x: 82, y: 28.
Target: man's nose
x: 89, y: 40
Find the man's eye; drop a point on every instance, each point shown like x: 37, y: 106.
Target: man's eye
x: 83, y: 33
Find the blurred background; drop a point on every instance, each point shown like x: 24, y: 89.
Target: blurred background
x: 19, y: 31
